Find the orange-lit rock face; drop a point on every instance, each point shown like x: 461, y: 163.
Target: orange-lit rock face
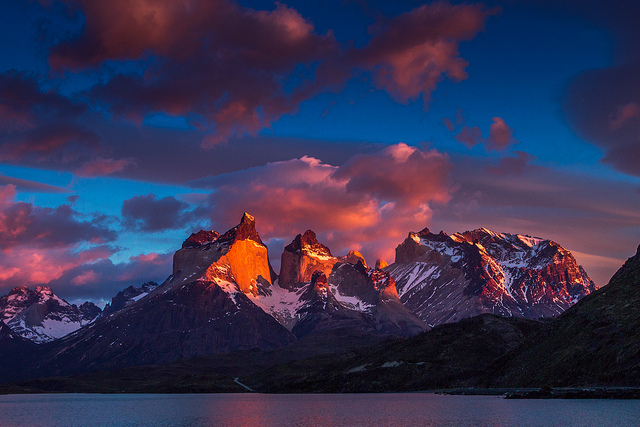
x: 238, y: 256
x: 245, y: 263
x: 301, y: 258
x: 353, y: 257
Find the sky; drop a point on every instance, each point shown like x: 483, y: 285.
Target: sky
x: 126, y: 126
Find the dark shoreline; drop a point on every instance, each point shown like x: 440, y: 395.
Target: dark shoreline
x: 505, y: 392
x: 552, y: 392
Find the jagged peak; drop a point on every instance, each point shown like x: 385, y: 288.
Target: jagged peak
x: 308, y: 244
x: 200, y: 238
x: 246, y: 230
x: 380, y: 264
x: 247, y: 218
x: 354, y: 257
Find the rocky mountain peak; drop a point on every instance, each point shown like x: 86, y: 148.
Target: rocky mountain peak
x: 41, y: 316
x: 353, y: 257
x: 380, y: 264
x: 485, y: 271
x: 319, y: 282
x: 238, y: 256
x: 308, y: 243
x: 200, y: 238
x: 301, y: 258
x: 246, y: 230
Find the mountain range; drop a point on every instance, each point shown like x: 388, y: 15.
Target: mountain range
x: 224, y: 296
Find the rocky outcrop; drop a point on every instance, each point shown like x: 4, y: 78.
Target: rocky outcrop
x: 301, y: 258
x: 322, y: 311
x: 446, y: 278
x: 129, y: 296
x: 239, y: 256
x: 353, y: 257
x: 376, y: 294
x: 41, y: 316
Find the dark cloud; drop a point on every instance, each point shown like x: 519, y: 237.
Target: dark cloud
x: 603, y: 107
x: 25, y: 224
x: 512, y: 165
x: 40, y: 124
x: 27, y: 185
x: 148, y: 213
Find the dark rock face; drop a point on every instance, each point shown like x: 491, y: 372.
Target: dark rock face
x: 200, y: 238
x: 128, y: 296
x: 377, y: 291
x: 446, y: 278
x: 198, y: 319
x: 301, y: 258
x: 323, y: 312
x: 39, y: 315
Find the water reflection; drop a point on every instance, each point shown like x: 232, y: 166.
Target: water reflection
x: 415, y: 409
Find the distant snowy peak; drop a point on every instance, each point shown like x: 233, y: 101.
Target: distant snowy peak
x: 128, y: 296
x: 41, y: 316
x: 445, y: 278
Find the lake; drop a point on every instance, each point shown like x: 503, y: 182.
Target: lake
x: 398, y: 409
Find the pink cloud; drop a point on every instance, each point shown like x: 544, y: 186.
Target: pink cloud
x: 500, y: 135
x: 224, y: 67
x: 469, y: 136
x: 29, y: 265
x: 369, y: 203
x: 103, y: 167
x: 416, y: 50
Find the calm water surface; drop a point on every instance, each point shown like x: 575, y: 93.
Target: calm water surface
x: 414, y: 409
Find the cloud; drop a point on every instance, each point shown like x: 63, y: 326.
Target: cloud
x: 25, y: 224
x: 602, y: 106
x: 148, y: 213
x: 221, y: 65
x: 469, y: 136
x: 512, y: 165
x: 39, y: 124
x: 30, y: 265
x: 231, y: 70
x: 102, y: 279
x: 103, y: 167
x: 28, y: 185
x: 368, y: 203
x: 500, y: 135
x: 80, y: 276
x: 413, y: 52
